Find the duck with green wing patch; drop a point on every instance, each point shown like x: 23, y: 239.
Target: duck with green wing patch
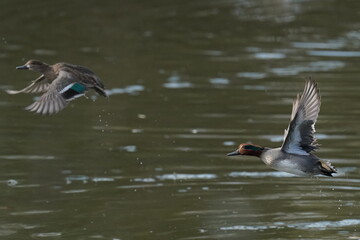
x: 60, y: 83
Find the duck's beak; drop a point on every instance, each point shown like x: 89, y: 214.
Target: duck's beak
x: 234, y: 153
x: 23, y: 67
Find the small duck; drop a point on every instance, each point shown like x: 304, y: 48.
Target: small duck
x: 61, y: 82
x: 294, y: 156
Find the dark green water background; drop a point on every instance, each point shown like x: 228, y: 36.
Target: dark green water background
x: 188, y: 81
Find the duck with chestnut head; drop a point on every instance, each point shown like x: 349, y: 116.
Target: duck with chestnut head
x: 294, y: 156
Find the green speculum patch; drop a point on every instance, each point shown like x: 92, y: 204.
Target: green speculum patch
x: 78, y: 88
x: 253, y: 148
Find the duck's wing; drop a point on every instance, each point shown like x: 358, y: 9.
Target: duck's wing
x: 41, y: 84
x: 88, y: 77
x: 62, y: 90
x: 98, y: 86
x: 75, y: 68
x: 49, y: 103
x: 299, y: 136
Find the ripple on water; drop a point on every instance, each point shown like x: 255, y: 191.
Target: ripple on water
x: 319, y: 136
x: 151, y: 182
x: 174, y: 81
x: 132, y: 89
x: 177, y: 85
x: 45, y: 52
x: 85, y: 179
x: 219, y: 81
x: 30, y: 157
x: 11, y: 228
x: 325, y: 225
x: 213, y: 53
x: 260, y: 174
x: 321, y: 225
x: 264, y: 55
x: 12, y: 47
x: 48, y: 234
x: 255, y: 87
x: 308, y: 67
x: 229, y: 143
x: 77, y: 178
x: 252, y: 75
x: 319, y: 45
x: 185, y: 176
x: 128, y: 148
x: 14, y: 183
x: 146, y: 180
x: 324, y: 53
x: 343, y: 188
x: 74, y: 191
x: 102, y: 179
x: 140, y: 186
x: 32, y: 212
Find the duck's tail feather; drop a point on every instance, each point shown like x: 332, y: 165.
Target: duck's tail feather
x: 326, y: 168
x: 100, y: 91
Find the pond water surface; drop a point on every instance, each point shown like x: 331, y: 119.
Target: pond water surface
x: 188, y: 81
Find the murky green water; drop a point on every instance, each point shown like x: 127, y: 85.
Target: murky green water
x: 188, y: 80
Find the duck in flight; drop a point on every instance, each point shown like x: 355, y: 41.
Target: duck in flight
x: 294, y: 156
x: 60, y: 83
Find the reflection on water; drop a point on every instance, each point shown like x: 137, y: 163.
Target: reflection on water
x: 187, y: 81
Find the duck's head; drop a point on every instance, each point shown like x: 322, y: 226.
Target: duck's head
x: 247, y: 149
x: 34, y: 65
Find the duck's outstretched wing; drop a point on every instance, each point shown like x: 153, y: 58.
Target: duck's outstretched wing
x: 49, y: 103
x: 61, y: 91
x: 41, y: 84
x: 299, y: 136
